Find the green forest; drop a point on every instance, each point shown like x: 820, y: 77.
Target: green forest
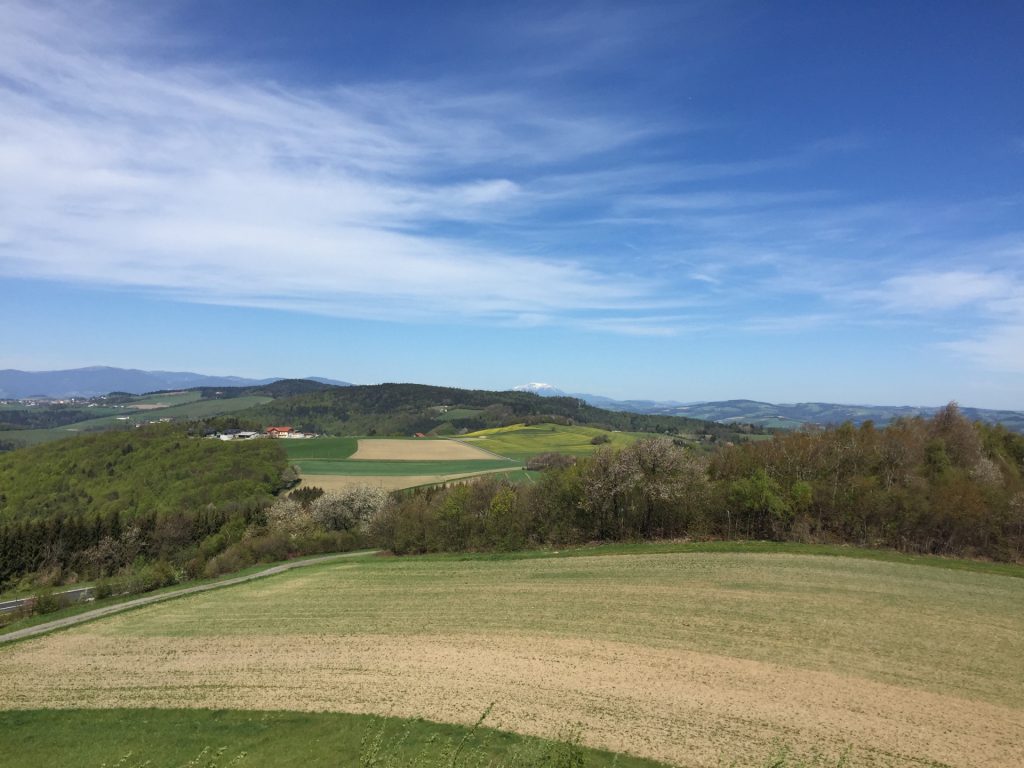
x: 943, y: 486
x: 89, y: 506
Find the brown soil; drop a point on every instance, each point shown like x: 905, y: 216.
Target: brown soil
x: 677, y: 706
x: 418, y: 450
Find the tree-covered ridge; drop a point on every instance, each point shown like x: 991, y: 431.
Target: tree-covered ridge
x: 401, y: 409
x: 280, y: 388
x: 157, y: 469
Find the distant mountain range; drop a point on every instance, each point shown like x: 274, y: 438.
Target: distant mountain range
x: 101, y: 380
x: 784, y: 416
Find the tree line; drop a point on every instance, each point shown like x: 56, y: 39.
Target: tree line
x: 940, y: 486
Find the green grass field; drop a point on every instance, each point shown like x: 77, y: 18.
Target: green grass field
x: 333, y: 448
x: 694, y: 658
x: 201, y: 409
x: 521, y: 442
x: 269, y: 739
x: 366, y: 468
x: 168, y: 398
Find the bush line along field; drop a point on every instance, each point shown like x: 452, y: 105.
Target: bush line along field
x: 696, y: 659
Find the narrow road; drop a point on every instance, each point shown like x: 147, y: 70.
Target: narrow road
x: 68, y: 597
x: 80, y: 618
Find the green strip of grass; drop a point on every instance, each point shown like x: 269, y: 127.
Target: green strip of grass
x: 364, y: 468
x: 172, y: 737
x: 321, y: 448
x: 754, y: 547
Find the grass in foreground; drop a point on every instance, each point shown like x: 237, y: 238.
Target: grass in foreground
x: 91, y: 738
x: 693, y: 659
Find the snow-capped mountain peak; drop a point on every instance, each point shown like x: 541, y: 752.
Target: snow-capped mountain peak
x: 539, y: 388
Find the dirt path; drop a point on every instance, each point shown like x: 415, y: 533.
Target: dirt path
x: 50, y: 626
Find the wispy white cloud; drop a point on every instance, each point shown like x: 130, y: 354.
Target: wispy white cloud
x: 204, y: 185
x: 940, y: 291
x: 122, y: 166
x: 999, y: 348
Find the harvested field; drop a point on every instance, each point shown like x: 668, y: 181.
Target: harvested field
x: 418, y: 450
x: 696, y: 659
x: 389, y: 482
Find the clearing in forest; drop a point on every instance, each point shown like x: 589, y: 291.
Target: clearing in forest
x: 521, y: 442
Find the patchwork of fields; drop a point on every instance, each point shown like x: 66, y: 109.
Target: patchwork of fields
x: 395, y: 463
x: 334, y: 463
x: 694, y: 659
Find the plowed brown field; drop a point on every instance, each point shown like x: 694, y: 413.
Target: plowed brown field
x: 695, y: 659
x: 418, y: 450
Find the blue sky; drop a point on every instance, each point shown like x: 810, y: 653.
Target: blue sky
x: 690, y: 201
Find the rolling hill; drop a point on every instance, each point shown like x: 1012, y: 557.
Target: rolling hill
x: 404, y: 409
x: 779, y: 416
x: 101, y: 380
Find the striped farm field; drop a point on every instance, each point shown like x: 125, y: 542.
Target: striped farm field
x: 697, y: 659
x: 333, y: 482
x: 367, y: 468
x: 418, y: 449
x: 335, y: 463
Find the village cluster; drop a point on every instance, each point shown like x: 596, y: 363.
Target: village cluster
x: 285, y: 433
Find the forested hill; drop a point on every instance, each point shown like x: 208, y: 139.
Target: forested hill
x: 279, y: 388
x: 401, y: 409
x: 151, y: 470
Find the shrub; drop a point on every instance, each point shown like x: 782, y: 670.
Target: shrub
x: 545, y: 461
x: 47, y: 601
x: 146, y: 578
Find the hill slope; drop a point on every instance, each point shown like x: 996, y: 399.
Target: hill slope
x: 101, y: 380
x: 402, y: 409
x: 794, y: 415
x: 148, y: 470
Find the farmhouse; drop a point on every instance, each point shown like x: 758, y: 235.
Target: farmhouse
x: 288, y: 432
